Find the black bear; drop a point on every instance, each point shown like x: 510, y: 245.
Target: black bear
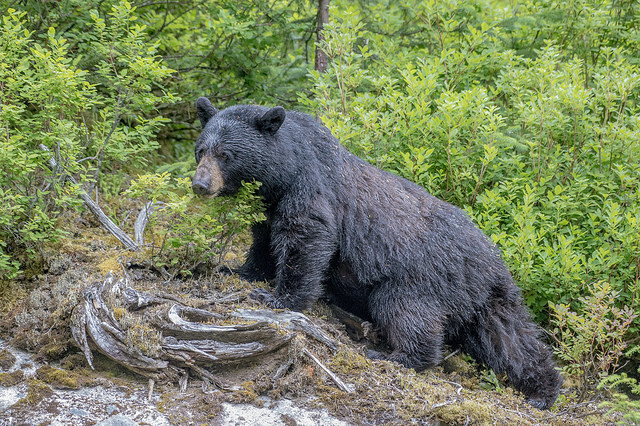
x: 381, y: 246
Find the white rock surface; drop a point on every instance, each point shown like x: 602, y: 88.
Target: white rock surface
x: 274, y: 414
x: 116, y: 406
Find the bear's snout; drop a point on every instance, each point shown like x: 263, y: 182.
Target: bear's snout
x: 200, y: 187
x: 207, y: 181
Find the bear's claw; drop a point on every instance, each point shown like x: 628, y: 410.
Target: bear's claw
x: 265, y: 297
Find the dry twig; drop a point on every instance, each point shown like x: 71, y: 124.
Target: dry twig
x: 95, y: 209
x: 342, y: 385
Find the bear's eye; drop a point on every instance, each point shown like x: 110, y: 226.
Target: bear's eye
x: 224, y: 155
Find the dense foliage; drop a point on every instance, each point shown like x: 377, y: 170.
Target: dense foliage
x: 186, y: 233
x: 523, y: 113
x: 527, y: 118
x: 90, y: 121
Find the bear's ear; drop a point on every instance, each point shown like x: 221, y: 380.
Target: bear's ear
x: 271, y: 120
x: 205, y: 110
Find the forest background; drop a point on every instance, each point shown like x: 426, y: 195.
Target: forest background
x: 524, y: 113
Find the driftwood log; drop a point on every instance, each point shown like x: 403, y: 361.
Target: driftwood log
x: 190, y: 340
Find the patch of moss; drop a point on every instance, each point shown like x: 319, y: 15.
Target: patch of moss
x: 110, y: 264
x: 349, y: 362
x: 386, y: 392
x: 10, y: 379
x: 144, y: 338
x: 37, y: 391
x: 60, y: 379
x: 75, y: 361
x: 11, y: 294
x: 119, y: 313
x: 59, y: 263
x: 115, y: 372
x: 246, y: 394
x: 229, y: 283
x: 53, y: 350
x: 465, y: 412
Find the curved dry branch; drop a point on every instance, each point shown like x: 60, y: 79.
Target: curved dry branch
x: 143, y: 219
x: 95, y: 208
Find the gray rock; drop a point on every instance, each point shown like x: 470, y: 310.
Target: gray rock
x: 117, y: 420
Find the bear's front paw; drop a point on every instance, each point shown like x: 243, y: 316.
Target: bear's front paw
x: 540, y: 404
x: 225, y: 270
x: 373, y: 354
x: 265, y: 297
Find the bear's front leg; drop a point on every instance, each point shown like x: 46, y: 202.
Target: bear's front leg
x: 259, y: 265
x: 302, y: 253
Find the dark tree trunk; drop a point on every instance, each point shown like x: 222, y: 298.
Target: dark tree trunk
x: 322, y: 61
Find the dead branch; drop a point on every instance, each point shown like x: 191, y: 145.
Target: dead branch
x: 342, y: 385
x: 293, y: 321
x: 143, y: 219
x: 95, y: 209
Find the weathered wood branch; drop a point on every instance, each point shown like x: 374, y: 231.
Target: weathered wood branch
x: 293, y: 321
x: 342, y: 385
x: 95, y: 209
x: 92, y: 318
x: 143, y: 219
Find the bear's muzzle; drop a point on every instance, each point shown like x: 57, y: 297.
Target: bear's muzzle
x: 207, y: 181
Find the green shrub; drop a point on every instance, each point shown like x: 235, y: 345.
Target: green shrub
x: 89, y: 121
x: 621, y: 402
x: 42, y: 98
x: 541, y: 147
x: 188, y: 231
x: 591, y: 342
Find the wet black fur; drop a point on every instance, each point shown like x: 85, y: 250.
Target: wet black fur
x: 380, y: 245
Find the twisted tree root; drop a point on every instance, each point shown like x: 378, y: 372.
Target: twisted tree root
x: 190, y: 340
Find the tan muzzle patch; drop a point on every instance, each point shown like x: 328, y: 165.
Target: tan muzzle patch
x: 207, y: 181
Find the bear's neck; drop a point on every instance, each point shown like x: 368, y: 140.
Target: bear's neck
x: 296, y: 181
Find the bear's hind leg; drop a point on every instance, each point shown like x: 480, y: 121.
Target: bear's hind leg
x: 415, y: 332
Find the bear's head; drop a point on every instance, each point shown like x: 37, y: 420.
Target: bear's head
x: 232, y: 146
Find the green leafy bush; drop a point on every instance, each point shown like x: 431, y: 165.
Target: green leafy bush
x: 89, y: 121
x: 621, y: 387
x: 591, y: 342
x: 187, y: 231
x: 42, y: 98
